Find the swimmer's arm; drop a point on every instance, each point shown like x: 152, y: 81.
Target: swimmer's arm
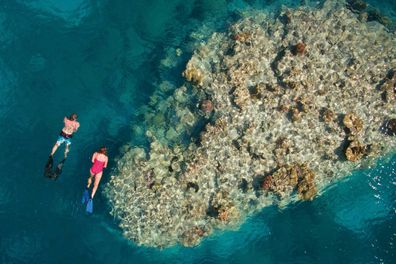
x: 94, y: 157
x: 105, y: 165
x: 76, y: 126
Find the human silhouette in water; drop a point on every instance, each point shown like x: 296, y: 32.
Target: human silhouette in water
x: 66, y: 134
x: 99, y: 162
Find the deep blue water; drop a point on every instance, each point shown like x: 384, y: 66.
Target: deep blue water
x: 102, y: 59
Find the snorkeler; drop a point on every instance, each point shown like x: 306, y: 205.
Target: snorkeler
x: 99, y: 160
x: 71, y: 126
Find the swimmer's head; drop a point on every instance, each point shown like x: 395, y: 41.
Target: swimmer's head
x: 73, y: 117
x: 103, y: 150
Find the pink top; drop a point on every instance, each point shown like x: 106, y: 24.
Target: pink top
x: 99, y: 162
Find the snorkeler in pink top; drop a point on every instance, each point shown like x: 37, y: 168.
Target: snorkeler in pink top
x: 71, y: 126
x: 99, y: 160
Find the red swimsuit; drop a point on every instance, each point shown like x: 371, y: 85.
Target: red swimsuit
x: 97, y: 167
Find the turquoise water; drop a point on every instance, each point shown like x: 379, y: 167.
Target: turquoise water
x: 102, y: 59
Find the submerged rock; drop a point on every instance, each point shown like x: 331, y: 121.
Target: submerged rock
x: 192, y: 236
x: 241, y: 37
x: 244, y: 185
x: 368, y: 13
x: 328, y: 115
x: 193, y: 74
x: 207, y: 106
x: 375, y: 15
x: 306, y: 186
x: 389, y: 87
x: 266, y: 185
x: 390, y: 127
x: 193, y: 186
x: 290, y: 178
x: 353, y: 123
x: 295, y: 114
x: 355, y: 151
x: 298, y: 49
x: 357, y: 5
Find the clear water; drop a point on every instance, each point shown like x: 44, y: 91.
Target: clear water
x: 102, y: 59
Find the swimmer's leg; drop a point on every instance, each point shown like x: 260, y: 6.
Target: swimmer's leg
x: 55, y: 147
x: 91, y: 175
x: 96, y: 184
x: 57, y: 144
x: 85, y: 197
x: 67, y: 149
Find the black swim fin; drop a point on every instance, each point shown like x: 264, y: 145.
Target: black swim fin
x: 58, y: 169
x: 48, y: 167
x: 53, y: 175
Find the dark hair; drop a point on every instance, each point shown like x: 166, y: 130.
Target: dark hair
x: 73, y: 117
x: 103, y: 150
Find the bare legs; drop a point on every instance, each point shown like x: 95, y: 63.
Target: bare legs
x: 96, y: 182
x: 67, y: 150
x: 90, y: 179
x: 55, y: 147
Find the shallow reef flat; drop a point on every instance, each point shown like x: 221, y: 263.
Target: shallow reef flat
x: 287, y: 105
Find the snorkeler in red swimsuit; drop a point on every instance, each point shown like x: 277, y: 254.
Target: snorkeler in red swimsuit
x: 99, y: 160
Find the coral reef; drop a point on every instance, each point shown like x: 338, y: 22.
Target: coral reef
x: 353, y: 123
x: 298, y: 49
x: 193, y: 74
x: 287, y: 179
x: 357, y: 5
x: 390, y: 127
x: 207, y: 106
x: 296, y: 101
x: 389, y: 87
x: 367, y: 13
x: 355, y: 151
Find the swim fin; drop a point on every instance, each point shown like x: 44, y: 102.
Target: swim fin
x: 58, y: 169
x: 89, y: 208
x: 48, y: 167
x: 85, y: 196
